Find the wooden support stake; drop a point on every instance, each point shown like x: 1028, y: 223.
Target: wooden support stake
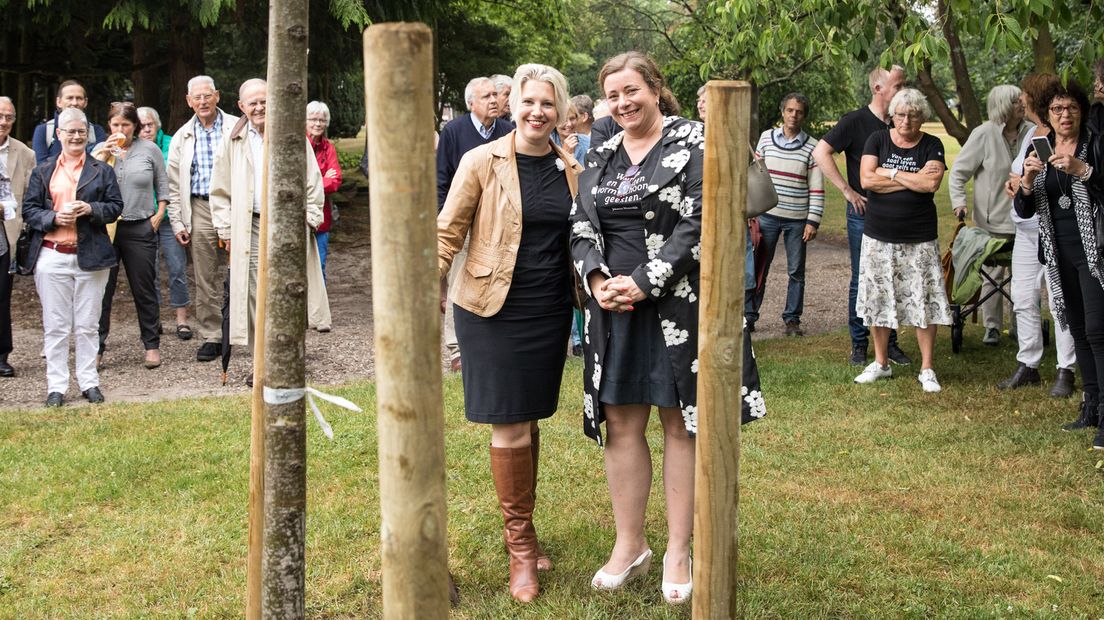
x: 398, y: 85
x: 720, y: 350
x: 256, y: 424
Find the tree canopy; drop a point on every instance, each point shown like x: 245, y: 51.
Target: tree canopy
x: 954, y: 50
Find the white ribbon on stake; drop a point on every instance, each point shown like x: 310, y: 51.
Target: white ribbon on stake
x: 283, y: 396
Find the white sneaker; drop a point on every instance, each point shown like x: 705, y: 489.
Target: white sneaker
x: 928, y: 381
x: 873, y: 372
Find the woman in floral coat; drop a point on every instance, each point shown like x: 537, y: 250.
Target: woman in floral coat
x: 636, y: 243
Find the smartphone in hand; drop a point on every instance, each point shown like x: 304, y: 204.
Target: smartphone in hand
x: 1042, y: 148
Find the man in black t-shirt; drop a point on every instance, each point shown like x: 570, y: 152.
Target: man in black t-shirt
x: 849, y: 136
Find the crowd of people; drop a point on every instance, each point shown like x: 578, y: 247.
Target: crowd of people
x: 84, y: 201
x: 570, y: 225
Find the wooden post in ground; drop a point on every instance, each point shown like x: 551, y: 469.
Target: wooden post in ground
x: 720, y: 350
x: 398, y: 85
x: 256, y: 426
x: 283, y: 565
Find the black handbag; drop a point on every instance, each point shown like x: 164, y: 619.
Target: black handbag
x: 19, y: 264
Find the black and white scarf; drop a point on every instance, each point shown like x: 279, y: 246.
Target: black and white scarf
x: 1084, y: 210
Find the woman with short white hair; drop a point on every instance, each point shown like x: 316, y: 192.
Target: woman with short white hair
x: 512, y: 299
x: 987, y: 159
x: 318, y: 120
x: 900, y: 277
x: 70, y: 200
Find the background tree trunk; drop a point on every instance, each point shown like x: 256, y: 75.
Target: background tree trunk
x: 146, y: 79
x: 285, y: 480
x: 955, y: 129
x: 967, y: 99
x: 1046, y: 60
x: 186, y: 62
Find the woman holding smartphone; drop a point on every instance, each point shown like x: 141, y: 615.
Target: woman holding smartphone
x: 1063, y: 182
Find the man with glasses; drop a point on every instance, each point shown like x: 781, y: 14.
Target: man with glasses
x: 191, y: 159
x: 237, y: 186
x: 480, y: 126
x: 70, y: 94
x: 849, y: 135
x: 16, y: 162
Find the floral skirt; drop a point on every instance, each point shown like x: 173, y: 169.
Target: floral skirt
x: 901, y: 283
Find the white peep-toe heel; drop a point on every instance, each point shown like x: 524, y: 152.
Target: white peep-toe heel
x: 605, y: 581
x: 677, y: 593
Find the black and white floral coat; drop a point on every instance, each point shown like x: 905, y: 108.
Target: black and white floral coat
x: 670, y: 278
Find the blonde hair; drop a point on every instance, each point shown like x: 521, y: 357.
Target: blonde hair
x: 880, y: 74
x: 541, y: 73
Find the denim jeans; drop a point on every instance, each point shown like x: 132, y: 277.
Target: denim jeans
x: 176, y: 261
x: 323, y: 240
x: 860, y: 335
x: 791, y: 232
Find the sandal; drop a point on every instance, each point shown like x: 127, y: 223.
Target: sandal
x: 183, y: 331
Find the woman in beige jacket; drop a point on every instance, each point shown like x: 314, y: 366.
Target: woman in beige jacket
x: 513, y: 296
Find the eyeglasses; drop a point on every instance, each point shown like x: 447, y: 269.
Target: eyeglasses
x: 627, y: 179
x: 1059, y: 110
x: 74, y: 132
x: 911, y: 116
x: 318, y: 121
x: 255, y: 103
x: 7, y: 117
x: 203, y: 97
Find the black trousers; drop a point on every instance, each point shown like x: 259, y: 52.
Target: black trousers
x: 136, y: 246
x: 1084, y: 297
x: 5, y: 303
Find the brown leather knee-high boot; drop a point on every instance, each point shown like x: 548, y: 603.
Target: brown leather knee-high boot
x: 512, y: 469
x: 544, y: 563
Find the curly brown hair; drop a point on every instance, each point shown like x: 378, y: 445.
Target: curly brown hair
x: 1071, y: 90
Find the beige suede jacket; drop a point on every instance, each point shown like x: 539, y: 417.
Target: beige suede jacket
x: 485, y: 200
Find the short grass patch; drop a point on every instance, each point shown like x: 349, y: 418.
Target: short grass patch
x: 872, y: 501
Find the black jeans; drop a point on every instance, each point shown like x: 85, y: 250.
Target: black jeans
x: 5, y: 303
x: 136, y: 247
x: 1084, y: 299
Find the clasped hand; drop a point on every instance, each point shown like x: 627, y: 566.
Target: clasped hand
x: 616, y: 294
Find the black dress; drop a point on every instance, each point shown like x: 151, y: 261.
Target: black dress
x: 638, y: 369
x: 514, y: 360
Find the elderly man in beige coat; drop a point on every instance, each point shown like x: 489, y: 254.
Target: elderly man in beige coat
x: 236, y: 188
x: 191, y: 161
x: 16, y: 162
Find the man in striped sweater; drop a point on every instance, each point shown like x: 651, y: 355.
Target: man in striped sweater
x: 788, y: 153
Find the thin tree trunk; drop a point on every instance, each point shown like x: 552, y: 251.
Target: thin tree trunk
x: 186, y: 45
x: 967, y: 99
x: 24, y: 108
x: 927, y: 86
x: 285, y: 480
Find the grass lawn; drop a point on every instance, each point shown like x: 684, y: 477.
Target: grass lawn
x: 856, y: 502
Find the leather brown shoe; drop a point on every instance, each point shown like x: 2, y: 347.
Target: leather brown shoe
x: 512, y: 470
x: 1064, y: 384
x: 544, y: 563
x: 1023, y: 375
x: 455, y: 366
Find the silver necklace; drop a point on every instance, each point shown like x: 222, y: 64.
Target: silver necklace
x: 1064, y: 201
